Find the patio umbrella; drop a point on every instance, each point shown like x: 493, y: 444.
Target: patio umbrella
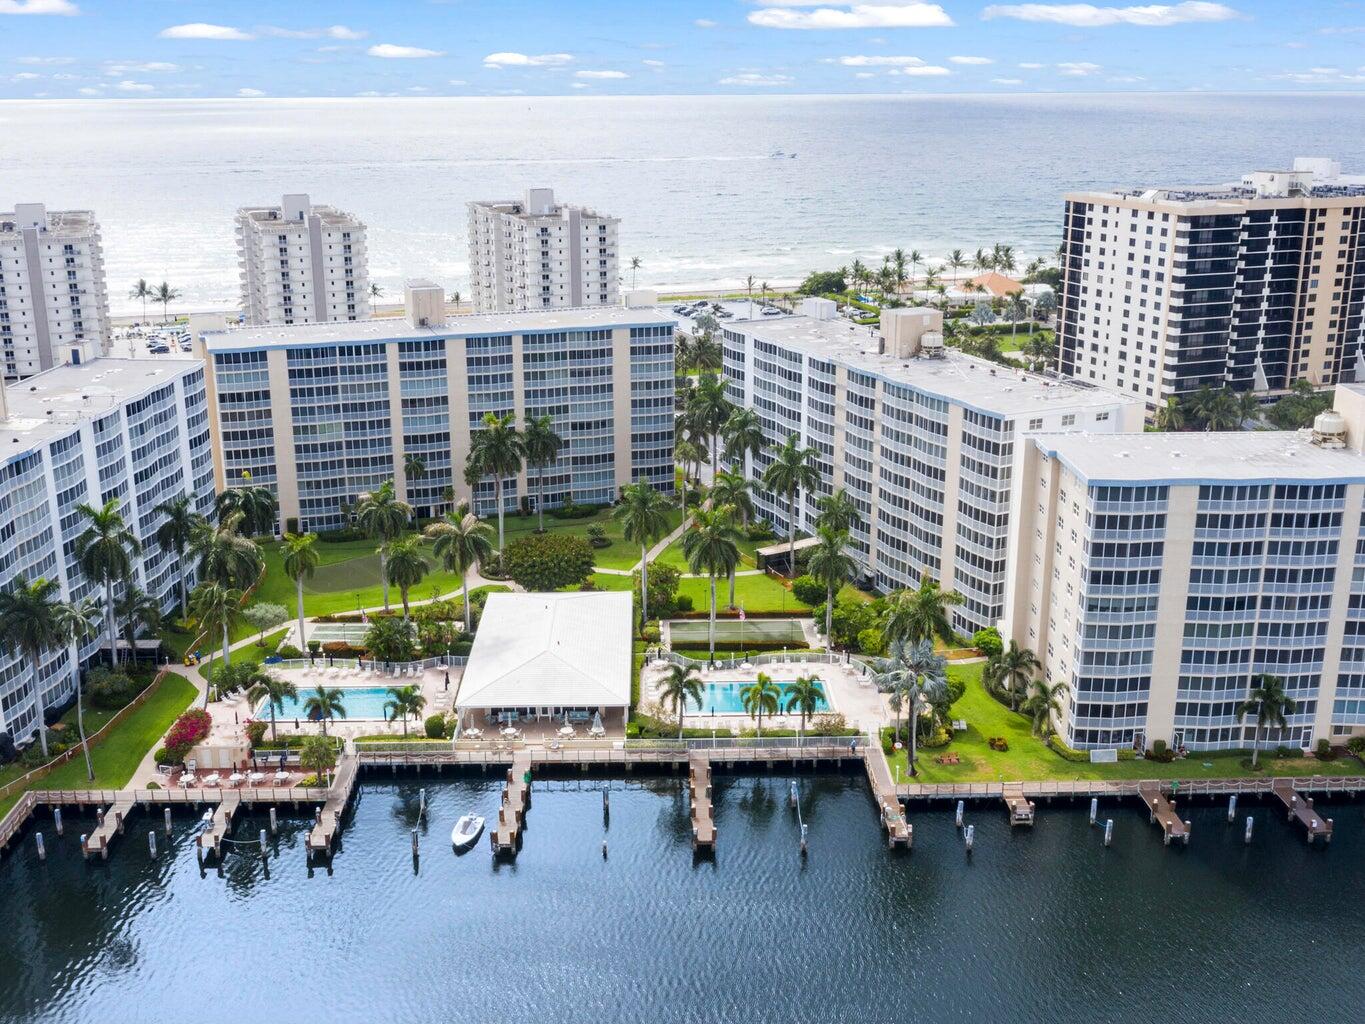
x: 596, y: 720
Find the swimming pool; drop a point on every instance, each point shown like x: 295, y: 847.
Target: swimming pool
x: 359, y: 701
x: 724, y: 698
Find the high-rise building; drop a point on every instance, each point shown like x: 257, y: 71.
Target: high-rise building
x: 323, y: 413
x: 1157, y: 575
x: 1253, y: 285
x: 54, y: 308
x: 534, y: 253
x: 132, y: 429
x: 921, y: 437
x: 302, y: 264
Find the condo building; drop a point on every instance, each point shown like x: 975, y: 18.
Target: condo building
x: 54, y: 308
x: 132, y: 429
x: 1157, y: 576
x: 535, y: 253
x: 302, y: 264
x: 323, y: 413
x: 1253, y: 285
x: 922, y: 438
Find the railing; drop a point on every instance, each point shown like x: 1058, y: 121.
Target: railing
x: 390, y: 669
x: 1132, y: 787
x: 784, y: 657
x: 14, y: 820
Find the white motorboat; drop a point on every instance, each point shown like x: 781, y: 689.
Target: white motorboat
x: 466, y: 830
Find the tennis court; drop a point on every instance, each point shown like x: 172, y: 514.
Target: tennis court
x: 332, y: 632
x: 759, y: 631
x: 352, y: 574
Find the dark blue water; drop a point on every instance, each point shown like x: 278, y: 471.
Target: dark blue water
x: 1044, y: 925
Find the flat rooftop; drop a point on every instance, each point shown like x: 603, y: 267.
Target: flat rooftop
x: 48, y: 404
x: 469, y: 325
x: 273, y: 216
x: 58, y: 221
x: 957, y: 377
x: 1251, y: 456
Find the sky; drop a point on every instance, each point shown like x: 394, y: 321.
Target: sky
x: 252, y: 49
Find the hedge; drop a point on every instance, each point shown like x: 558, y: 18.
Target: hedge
x: 1059, y: 747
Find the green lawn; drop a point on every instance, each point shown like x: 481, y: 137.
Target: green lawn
x: 619, y: 555
x: 757, y: 595
x: 1028, y: 758
x: 673, y: 554
x: 251, y: 654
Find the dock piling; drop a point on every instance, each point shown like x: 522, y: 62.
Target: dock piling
x: 85, y: 850
x: 168, y: 821
x: 957, y: 818
x: 264, y: 854
x: 42, y: 850
x: 151, y: 842
x: 1108, y: 831
x: 414, y: 844
x: 274, y: 825
x: 1250, y: 821
x: 1094, y: 808
x: 1232, y: 808
x: 969, y: 837
x: 803, y: 838
x: 57, y: 819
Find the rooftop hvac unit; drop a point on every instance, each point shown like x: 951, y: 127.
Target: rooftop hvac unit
x: 1329, y: 430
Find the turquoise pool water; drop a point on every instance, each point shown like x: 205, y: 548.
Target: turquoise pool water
x: 723, y: 698
x: 359, y: 701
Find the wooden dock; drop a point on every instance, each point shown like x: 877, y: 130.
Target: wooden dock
x: 516, y: 799
x: 1162, y: 812
x: 899, y: 831
x: 220, y: 823
x: 699, y: 788
x: 324, y: 831
x: 110, y: 826
x: 1301, y: 807
x: 1020, y: 807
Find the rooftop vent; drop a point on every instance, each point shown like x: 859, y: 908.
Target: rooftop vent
x: 1329, y: 430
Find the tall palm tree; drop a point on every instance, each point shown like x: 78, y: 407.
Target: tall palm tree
x: 105, y: 549
x: 760, y: 698
x: 803, y: 697
x: 404, y: 701
x: 496, y: 450
x: 461, y: 541
x: 29, y: 621
x: 142, y: 290
x: 165, y: 295
x: 921, y: 614
x: 832, y: 565
x: 376, y: 291
x: 733, y: 491
x: 957, y: 261
x: 542, y: 449
x: 643, y: 515
x: 706, y: 353
x: 898, y: 261
x: 217, y: 607
x: 383, y: 516
x: 743, y: 435
x: 682, y: 354
x: 680, y: 686
x: 749, y: 287
x: 226, y: 557
x: 324, y: 704
x: 635, y: 265
x: 915, y: 676
x: 406, y: 566
x: 1170, y: 416
x: 839, y: 512
x: 414, y: 468
x: 79, y: 621
x: 686, y: 452
x: 914, y: 259
x: 793, y: 467
x: 1011, y: 669
x: 276, y: 690
x: 1271, y: 706
x: 257, y: 505
x: 710, y: 409
x: 175, y: 533
x: 1044, y: 702
x: 136, y: 610
x: 301, y: 558
x: 711, y: 547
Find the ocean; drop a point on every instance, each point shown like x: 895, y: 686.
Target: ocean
x: 704, y: 201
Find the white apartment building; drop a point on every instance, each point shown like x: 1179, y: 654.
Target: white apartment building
x: 922, y: 438
x: 54, y: 307
x: 302, y: 264
x: 1157, y: 575
x: 323, y: 413
x: 1253, y: 285
x: 534, y: 253
x: 132, y: 429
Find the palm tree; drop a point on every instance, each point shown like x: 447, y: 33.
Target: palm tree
x: 804, y: 697
x: 414, y: 468
x: 1248, y: 406
x: 914, y: 259
x: 710, y: 409
x: 217, y: 607
x: 680, y: 685
x: 839, y: 512
x: 226, y: 557
x: 404, y: 701
x: 376, y: 291
x: 1271, y: 706
x: 382, y: 516
x: 175, y: 533
x: 495, y: 450
x: 686, y: 452
x: 743, y: 435
x: 711, y: 547
x: 682, y: 354
x: 29, y: 621
x: 635, y: 265
x: 731, y: 490
x: 136, y: 609
x: 462, y: 541
x: 915, y: 675
x: 792, y: 468
x: 706, y: 353
x: 1043, y: 703
x: 165, y: 295
x: 1170, y: 416
x: 406, y: 566
x: 257, y: 506
x: 749, y: 287
x: 325, y: 704
x: 832, y: 565
x: 105, y: 549
x: 142, y: 290
x: 1011, y: 670
x: 643, y: 515
x: 275, y: 689
x: 898, y: 261
x: 957, y: 260
x: 542, y: 449
x: 301, y: 558
x: 78, y: 622
x: 759, y: 698
x: 921, y: 614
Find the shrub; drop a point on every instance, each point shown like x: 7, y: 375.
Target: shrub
x: 759, y: 531
x: 1160, y: 752
x: 314, y: 646
x: 684, y: 603
x: 435, y: 727
x: 289, y: 652
x: 818, y: 282
x: 1356, y: 745
x: 851, y: 618
x: 1001, y: 744
x: 988, y: 641
x: 1283, y: 752
x: 650, y: 634
x: 1058, y: 746
x: 110, y: 690
x: 597, y: 536
x: 550, y: 561
x: 153, y: 785
x: 255, y: 732
x: 871, y: 642
x: 7, y: 751
x: 339, y: 536
x: 808, y: 590
x: 390, y: 639
x: 1324, y: 750
x: 572, y: 510
x: 189, y: 729
x: 339, y: 649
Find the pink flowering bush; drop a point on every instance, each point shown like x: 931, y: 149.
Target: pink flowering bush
x: 189, y: 729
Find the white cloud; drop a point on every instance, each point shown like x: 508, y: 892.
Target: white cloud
x: 600, y: 74
x: 924, y: 71
x: 119, y: 69
x: 250, y: 93
x: 1091, y: 16
x: 971, y: 60
x: 63, y: 77
x: 581, y: 85
x: 755, y: 78
x: 38, y: 7
x: 1032, y: 66
x: 127, y: 85
x: 203, y: 30
x: 902, y: 15
x: 526, y: 60
x: 418, y: 88
x: 1008, y: 81
x: 47, y: 60
x: 704, y: 23
x: 865, y: 74
x: 457, y: 81
x: 390, y: 51
x: 342, y: 32
x: 653, y: 63
x: 1125, y: 79
x: 879, y: 61
x: 90, y: 90
x: 25, y: 76
x: 1319, y: 75
x: 330, y: 32
x: 1078, y: 68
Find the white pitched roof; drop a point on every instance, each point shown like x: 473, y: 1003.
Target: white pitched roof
x: 561, y: 650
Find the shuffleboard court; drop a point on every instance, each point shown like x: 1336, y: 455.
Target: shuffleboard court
x: 767, y: 631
